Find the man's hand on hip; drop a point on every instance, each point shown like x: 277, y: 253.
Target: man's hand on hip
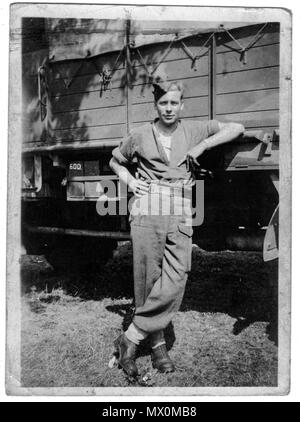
x: 139, y: 187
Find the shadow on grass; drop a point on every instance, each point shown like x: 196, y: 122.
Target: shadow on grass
x: 239, y: 284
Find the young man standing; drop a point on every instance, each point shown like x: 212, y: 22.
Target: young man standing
x: 165, y: 152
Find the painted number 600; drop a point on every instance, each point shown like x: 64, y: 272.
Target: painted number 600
x: 75, y: 166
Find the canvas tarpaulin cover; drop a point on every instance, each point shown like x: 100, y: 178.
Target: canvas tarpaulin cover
x: 71, y: 39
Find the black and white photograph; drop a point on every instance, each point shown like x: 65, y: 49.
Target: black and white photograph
x: 148, y: 225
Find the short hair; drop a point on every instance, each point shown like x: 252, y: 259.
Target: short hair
x: 161, y: 88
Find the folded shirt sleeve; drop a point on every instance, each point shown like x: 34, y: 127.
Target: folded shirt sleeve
x: 125, y: 152
x: 212, y: 127
x: 207, y: 129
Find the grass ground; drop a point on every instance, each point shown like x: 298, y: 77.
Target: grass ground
x: 224, y: 335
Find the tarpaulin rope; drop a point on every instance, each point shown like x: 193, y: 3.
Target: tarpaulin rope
x: 243, y: 50
x: 107, y: 74
x: 42, y: 90
x: 192, y: 56
x: 150, y: 73
x: 68, y: 81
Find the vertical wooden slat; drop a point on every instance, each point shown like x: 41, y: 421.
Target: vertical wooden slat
x: 212, y: 78
x: 49, y: 115
x: 128, y: 87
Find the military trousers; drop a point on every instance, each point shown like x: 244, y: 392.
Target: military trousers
x: 162, y: 249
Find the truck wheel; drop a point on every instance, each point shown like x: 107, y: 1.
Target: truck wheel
x: 33, y: 243
x: 71, y: 253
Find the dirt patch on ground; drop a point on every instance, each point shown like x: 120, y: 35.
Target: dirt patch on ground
x: 224, y: 335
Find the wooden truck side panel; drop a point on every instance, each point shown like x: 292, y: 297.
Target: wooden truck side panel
x: 243, y: 91
x: 82, y: 108
x: 248, y: 91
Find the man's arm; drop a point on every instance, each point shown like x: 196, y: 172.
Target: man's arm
x: 227, y: 133
x: 138, y: 187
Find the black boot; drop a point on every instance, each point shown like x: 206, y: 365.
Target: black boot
x: 126, y: 353
x: 161, y: 360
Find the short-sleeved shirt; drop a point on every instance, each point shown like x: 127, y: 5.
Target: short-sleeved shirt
x: 143, y: 147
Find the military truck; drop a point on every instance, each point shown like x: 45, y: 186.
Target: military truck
x: 87, y: 83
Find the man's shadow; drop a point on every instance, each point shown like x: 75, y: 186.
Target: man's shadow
x: 240, y: 285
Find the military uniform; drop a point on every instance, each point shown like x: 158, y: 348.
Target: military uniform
x: 162, y: 241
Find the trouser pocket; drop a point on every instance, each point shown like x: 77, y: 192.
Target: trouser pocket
x: 185, y: 229
x: 185, y: 235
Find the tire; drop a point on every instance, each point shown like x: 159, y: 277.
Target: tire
x: 33, y: 243
x: 72, y: 254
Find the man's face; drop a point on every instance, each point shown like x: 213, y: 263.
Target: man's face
x: 169, y: 107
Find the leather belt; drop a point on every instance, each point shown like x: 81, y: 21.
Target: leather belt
x: 170, y: 190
